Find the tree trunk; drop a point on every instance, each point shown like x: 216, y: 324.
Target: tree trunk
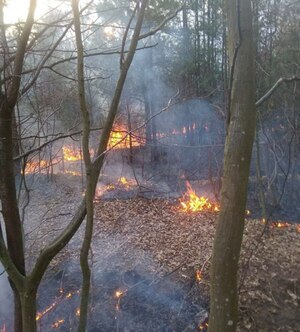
x: 8, y: 197
x: 28, y: 300
x: 238, y: 149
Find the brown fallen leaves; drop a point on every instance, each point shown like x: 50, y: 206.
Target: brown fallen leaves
x: 182, y: 242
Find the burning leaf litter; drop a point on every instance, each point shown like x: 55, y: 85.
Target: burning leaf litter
x: 173, y: 238
x: 71, y: 154
x: 204, y: 325
x: 118, y: 295
x: 62, y: 297
x: 198, y: 276
x: 57, y: 324
x: 121, y: 138
x: 191, y: 202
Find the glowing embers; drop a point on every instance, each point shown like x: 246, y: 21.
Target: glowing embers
x: 61, y: 298
x: 121, y: 138
x: 280, y: 224
x: 118, y: 295
x: 198, y: 276
x: 203, y: 326
x: 122, y: 184
x: 57, y: 324
x: 191, y: 202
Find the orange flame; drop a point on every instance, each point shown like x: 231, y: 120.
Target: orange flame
x: 119, y: 293
x: 120, y: 138
x: 203, y: 326
x: 298, y: 228
x: 280, y: 224
x: 190, y: 202
x: 57, y: 301
x: 123, y: 180
x: 35, y: 166
x: 39, y: 315
x: 198, y: 275
x: 71, y: 154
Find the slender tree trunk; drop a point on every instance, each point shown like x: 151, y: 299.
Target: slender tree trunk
x: 9, y: 92
x: 238, y: 149
x: 8, y: 196
x: 93, y: 169
x: 89, y: 195
x: 28, y: 300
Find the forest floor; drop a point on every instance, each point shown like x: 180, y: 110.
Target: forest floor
x: 155, y: 236
x: 181, y: 244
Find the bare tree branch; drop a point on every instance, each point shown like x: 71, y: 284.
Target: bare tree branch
x: 161, y: 25
x: 275, y: 86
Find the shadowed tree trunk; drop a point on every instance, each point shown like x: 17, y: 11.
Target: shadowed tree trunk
x: 9, y: 92
x: 238, y: 148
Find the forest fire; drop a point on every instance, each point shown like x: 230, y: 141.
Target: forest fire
x: 120, y: 138
x: 198, y: 276
x: 203, y: 326
x: 191, y: 202
x: 121, y: 184
x: 118, y: 295
x: 123, y: 181
x: 280, y: 224
x: 34, y: 167
x: 39, y: 315
x: 62, y: 297
x: 71, y: 154
x: 57, y: 324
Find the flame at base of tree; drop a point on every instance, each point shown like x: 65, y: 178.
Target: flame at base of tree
x: 204, y: 325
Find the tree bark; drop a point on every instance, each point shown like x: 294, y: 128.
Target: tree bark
x: 238, y: 149
x: 8, y: 194
x: 28, y: 300
x: 89, y: 195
